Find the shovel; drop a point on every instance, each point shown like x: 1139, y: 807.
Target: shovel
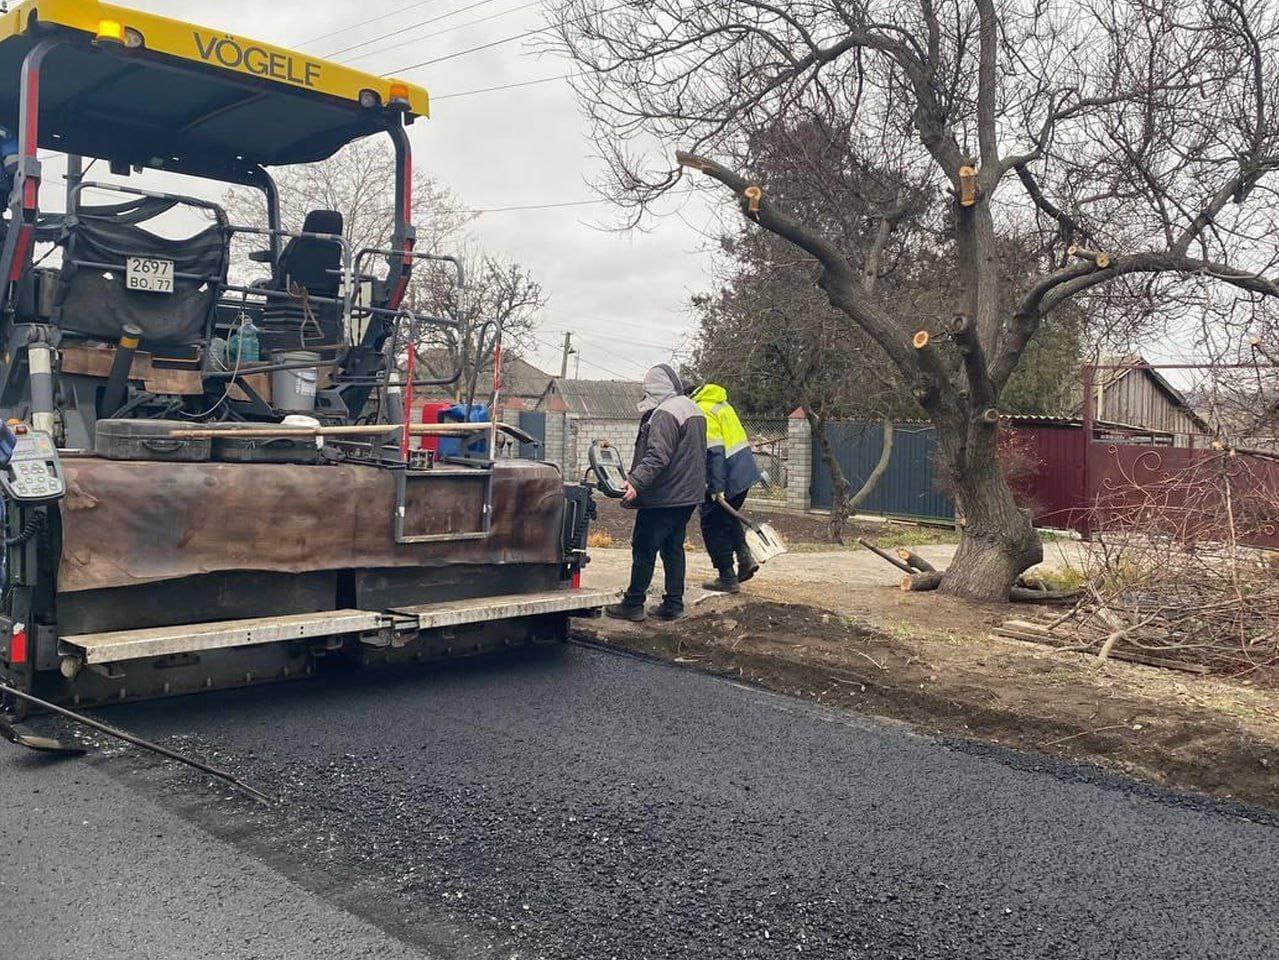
x: 33, y: 742
x: 764, y: 542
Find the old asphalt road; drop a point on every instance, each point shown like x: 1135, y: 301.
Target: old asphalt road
x: 575, y: 803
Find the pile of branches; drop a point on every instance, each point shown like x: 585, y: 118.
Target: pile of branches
x: 1183, y: 568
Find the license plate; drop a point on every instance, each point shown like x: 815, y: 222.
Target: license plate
x: 149, y: 274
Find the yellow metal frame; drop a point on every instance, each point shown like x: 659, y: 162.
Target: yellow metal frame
x: 213, y: 48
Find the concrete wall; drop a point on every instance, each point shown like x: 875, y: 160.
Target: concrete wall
x: 568, y: 439
x: 620, y: 433
x: 556, y: 449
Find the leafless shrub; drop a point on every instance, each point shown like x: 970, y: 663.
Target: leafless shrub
x: 1181, y: 566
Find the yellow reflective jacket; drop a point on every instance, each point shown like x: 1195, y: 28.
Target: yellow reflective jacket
x: 730, y: 465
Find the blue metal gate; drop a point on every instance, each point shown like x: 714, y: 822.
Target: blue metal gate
x: 533, y: 422
x: 908, y: 487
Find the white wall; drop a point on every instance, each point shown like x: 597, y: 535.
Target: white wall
x: 581, y: 433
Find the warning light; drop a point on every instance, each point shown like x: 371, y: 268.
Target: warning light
x: 18, y: 646
x: 400, y: 93
x: 111, y: 31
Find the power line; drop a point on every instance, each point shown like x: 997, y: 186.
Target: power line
x: 590, y: 363
x: 462, y: 53
x: 540, y: 206
x: 504, y: 86
x: 364, y: 23
x: 400, y: 31
x: 610, y: 338
x: 497, y: 43
x: 439, y: 33
x: 615, y: 355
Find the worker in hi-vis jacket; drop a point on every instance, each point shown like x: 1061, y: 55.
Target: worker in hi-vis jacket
x: 731, y: 471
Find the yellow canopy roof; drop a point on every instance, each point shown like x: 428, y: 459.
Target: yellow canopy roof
x: 136, y: 87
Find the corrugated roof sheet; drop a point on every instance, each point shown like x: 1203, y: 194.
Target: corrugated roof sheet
x: 519, y: 377
x: 600, y: 399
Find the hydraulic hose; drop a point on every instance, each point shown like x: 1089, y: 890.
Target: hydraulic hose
x: 29, y: 529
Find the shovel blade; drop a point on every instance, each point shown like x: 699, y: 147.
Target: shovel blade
x: 764, y: 543
x: 36, y: 742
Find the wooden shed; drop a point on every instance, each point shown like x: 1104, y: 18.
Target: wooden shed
x: 1128, y: 391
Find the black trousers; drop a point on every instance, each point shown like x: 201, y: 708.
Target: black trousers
x: 658, y: 530
x: 722, y: 533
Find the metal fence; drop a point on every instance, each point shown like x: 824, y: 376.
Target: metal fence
x: 908, y: 487
x: 768, y: 439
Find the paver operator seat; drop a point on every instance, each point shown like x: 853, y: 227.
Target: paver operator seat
x: 308, y: 267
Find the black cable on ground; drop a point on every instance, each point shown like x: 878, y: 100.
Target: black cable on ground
x: 138, y: 742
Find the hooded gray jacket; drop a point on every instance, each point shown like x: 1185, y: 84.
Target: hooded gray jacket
x: 669, y: 467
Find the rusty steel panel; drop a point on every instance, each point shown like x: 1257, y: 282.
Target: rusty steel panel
x: 132, y: 522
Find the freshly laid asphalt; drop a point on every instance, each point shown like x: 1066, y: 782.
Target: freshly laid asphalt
x: 570, y: 803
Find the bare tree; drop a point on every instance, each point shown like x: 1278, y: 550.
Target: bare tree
x: 359, y: 183
x: 1137, y: 137
x: 496, y: 292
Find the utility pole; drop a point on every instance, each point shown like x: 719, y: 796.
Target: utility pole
x: 568, y: 348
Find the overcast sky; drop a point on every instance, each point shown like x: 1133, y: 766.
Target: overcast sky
x: 624, y: 296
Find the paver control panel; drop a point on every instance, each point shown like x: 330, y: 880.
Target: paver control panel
x: 34, y: 471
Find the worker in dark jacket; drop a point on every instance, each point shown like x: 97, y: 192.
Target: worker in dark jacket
x: 731, y: 471
x: 666, y: 481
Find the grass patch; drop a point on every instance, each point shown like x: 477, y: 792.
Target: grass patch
x: 1061, y: 578
x: 914, y: 537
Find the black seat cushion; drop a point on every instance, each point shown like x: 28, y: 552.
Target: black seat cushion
x: 310, y: 262
x: 307, y: 269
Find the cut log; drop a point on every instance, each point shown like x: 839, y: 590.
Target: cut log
x: 915, y: 583
x: 1025, y: 595
x: 885, y: 555
x: 915, y: 561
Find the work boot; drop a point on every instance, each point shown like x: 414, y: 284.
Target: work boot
x: 724, y: 583
x: 665, y: 611
x: 624, y: 611
x: 747, y: 565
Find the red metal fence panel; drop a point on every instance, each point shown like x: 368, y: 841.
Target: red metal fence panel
x: 1186, y: 495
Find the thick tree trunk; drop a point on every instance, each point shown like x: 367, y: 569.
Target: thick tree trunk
x: 998, y: 542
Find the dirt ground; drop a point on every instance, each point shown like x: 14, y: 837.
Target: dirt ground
x: 833, y: 627
x: 802, y: 530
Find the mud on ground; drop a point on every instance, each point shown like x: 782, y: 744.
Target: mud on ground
x: 930, y: 663
x: 797, y: 529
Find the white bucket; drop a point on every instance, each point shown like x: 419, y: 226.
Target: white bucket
x: 294, y: 389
